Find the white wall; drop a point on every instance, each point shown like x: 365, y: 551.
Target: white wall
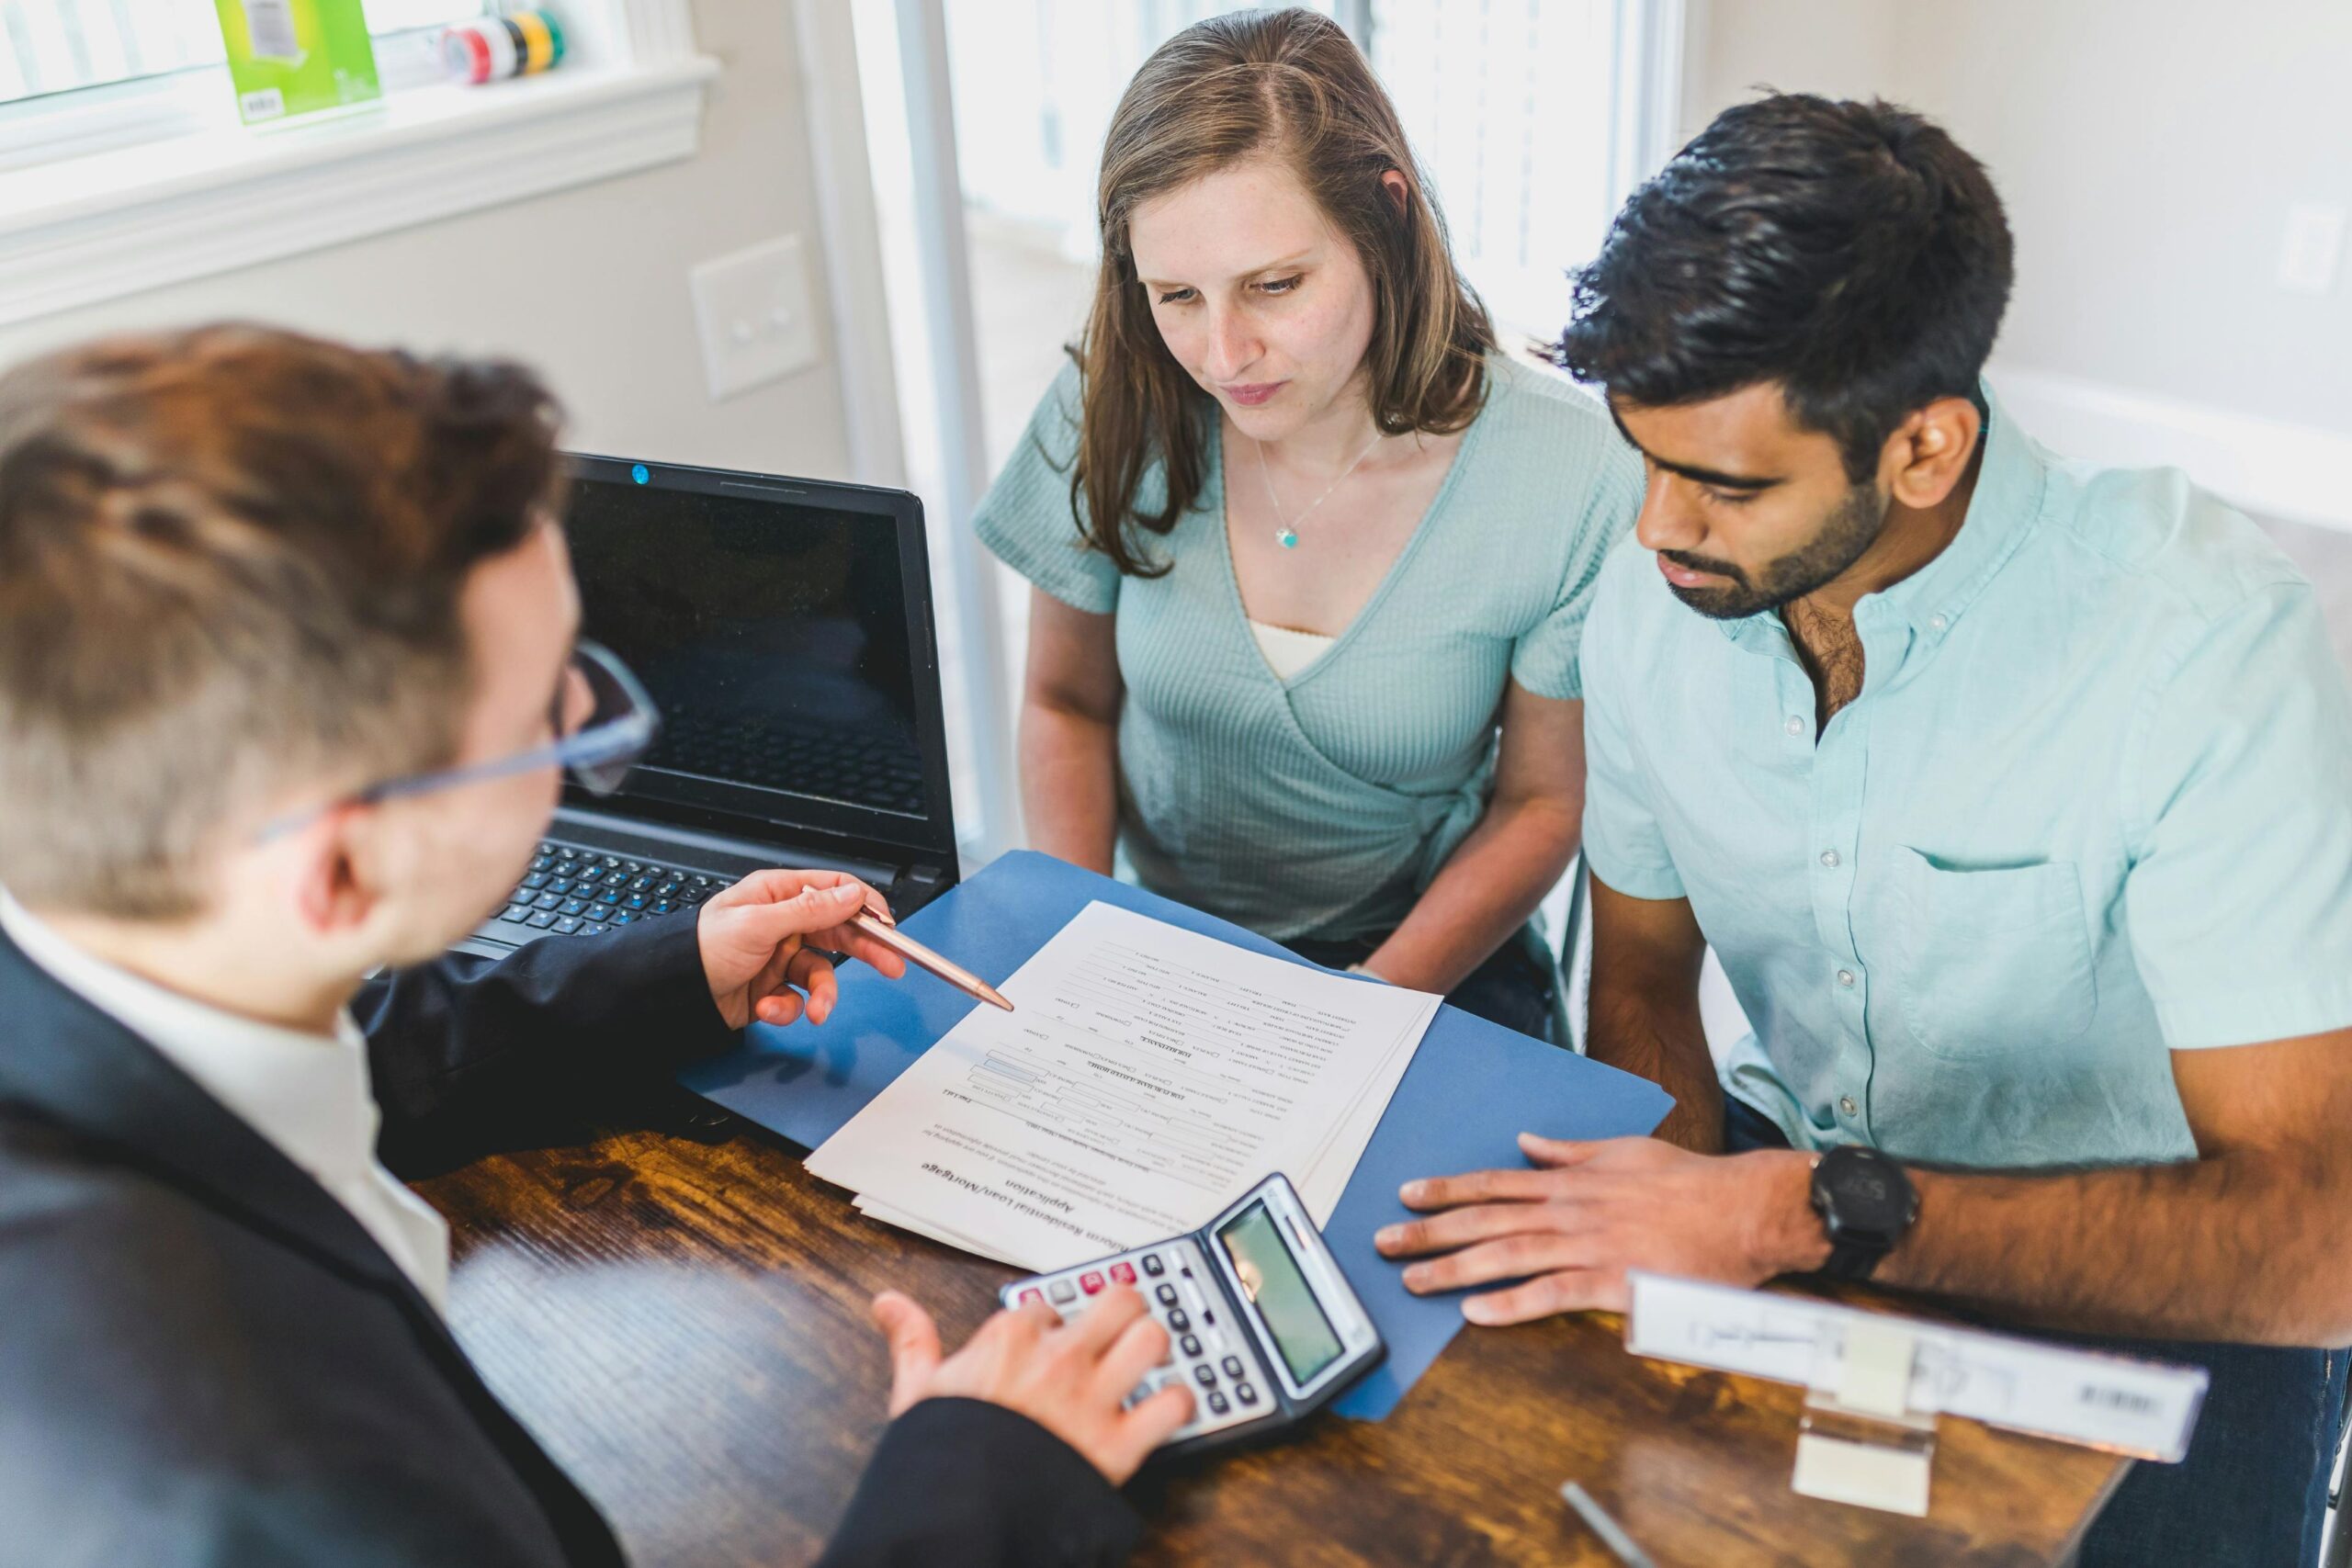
x: 1734, y: 49
x: 2148, y: 152
x: 588, y: 284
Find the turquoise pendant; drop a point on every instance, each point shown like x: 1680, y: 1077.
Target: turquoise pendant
x: 1286, y: 538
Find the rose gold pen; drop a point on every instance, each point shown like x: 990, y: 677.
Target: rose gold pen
x: 875, y: 921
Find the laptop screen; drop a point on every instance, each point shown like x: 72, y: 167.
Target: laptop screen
x: 774, y: 622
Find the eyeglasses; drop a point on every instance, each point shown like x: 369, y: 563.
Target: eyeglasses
x: 602, y: 719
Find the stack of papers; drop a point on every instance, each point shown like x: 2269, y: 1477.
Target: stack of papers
x: 1149, y: 1078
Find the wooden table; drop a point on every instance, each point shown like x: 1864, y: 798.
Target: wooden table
x: 680, y: 1316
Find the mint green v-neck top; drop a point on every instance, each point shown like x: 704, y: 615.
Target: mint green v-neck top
x: 1322, y: 807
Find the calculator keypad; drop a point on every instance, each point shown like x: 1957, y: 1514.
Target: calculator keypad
x: 1203, y: 1349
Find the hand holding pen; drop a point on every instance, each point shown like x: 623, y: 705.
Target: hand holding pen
x: 768, y: 934
x: 876, y: 923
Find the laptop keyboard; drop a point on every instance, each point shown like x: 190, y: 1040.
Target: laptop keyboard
x: 833, y: 764
x: 570, y: 891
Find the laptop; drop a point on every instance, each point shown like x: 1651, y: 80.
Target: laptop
x: 783, y: 628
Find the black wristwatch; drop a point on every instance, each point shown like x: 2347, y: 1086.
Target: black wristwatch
x: 1866, y: 1204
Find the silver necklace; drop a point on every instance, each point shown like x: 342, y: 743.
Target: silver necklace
x: 1286, y: 533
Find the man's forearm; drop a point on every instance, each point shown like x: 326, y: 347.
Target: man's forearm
x: 457, y: 1045
x: 1653, y: 1032
x: 2241, y: 1246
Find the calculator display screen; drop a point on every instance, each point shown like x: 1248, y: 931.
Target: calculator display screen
x: 1270, y: 1277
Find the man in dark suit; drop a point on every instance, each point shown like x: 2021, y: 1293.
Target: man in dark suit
x: 288, y: 671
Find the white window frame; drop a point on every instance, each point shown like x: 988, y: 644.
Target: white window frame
x: 153, y: 182
x: 169, y: 105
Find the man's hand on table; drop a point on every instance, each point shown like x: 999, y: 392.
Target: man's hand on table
x: 1067, y: 1377
x: 1570, y: 1227
x: 760, y: 938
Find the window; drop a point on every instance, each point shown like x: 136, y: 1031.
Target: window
x: 124, y: 167
x: 48, y: 47
x: 1510, y: 107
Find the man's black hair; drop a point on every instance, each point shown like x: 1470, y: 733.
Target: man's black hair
x: 1849, y: 252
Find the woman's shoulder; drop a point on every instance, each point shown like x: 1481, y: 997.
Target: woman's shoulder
x: 1538, y: 402
x: 1546, y: 437
x: 1031, y: 490
x: 1056, y: 422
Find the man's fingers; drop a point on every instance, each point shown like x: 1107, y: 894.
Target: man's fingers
x: 1152, y: 1422
x: 1512, y: 1257
x: 1140, y: 1348
x: 1035, y: 1317
x: 770, y: 978
x: 811, y: 911
x: 864, y: 948
x: 1568, y: 1290
x: 779, y: 1009
x: 914, y: 1347
x: 813, y: 974
x: 1093, y: 1331
x: 778, y: 885
x: 1478, y: 1187
x: 1554, y: 1153
x: 1458, y: 1227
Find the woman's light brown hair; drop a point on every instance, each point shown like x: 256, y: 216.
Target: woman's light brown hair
x: 1288, y: 84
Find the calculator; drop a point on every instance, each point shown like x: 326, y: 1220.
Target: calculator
x: 1261, y: 1322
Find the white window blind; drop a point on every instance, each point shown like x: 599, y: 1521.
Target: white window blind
x: 1511, y: 106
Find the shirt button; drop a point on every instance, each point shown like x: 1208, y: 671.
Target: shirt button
x: 1846, y: 1103
x: 1846, y: 978
x: 1937, y: 623
x: 1795, y: 725
x: 1830, y: 859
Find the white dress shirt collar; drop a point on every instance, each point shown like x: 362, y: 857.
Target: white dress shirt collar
x: 308, y: 1094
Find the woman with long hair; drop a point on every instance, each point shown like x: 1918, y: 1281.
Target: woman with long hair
x: 1310, y: 556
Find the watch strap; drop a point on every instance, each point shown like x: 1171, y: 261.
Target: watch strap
x: 1852, y: 1258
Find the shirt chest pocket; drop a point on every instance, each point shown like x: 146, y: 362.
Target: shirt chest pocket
x: 1990, y: 963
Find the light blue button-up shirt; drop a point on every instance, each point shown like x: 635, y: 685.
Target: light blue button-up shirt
x: 2093, y: 804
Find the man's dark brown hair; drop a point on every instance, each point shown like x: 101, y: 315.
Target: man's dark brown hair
x: 230, y: 562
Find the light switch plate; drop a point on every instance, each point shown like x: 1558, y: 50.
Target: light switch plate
x: 2312, y: 248
x: 756, y: 316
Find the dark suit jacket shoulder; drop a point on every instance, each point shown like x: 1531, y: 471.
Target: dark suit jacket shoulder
x: 173, y: 1391
x: 205, y: 1360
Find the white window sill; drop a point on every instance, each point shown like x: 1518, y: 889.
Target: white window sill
x: 82, y: 229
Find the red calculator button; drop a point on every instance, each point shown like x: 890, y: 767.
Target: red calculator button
x: 1089, y: 1283
x: 1031, y: 1295
x: 1124, y: 1272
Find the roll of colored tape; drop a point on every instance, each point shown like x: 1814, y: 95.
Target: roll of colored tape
x: 503, y: 55
x: 464, y: 54
x: 521, y: 44
x: 515, y: 41
x: 538, y: 42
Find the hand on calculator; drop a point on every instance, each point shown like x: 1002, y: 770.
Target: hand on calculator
x: 1070, y: 1378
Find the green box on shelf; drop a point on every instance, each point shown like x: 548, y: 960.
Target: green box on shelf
x: 293, y: 57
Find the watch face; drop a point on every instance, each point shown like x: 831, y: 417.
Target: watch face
x: 1865, y: 1192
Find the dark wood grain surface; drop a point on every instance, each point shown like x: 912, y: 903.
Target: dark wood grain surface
x: 680, y: 1316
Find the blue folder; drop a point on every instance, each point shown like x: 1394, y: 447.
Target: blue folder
x: 1472, y: 1089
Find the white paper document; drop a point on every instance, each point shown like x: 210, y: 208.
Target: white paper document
x: 2144, y: 1408
x: 1149, y: 1077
